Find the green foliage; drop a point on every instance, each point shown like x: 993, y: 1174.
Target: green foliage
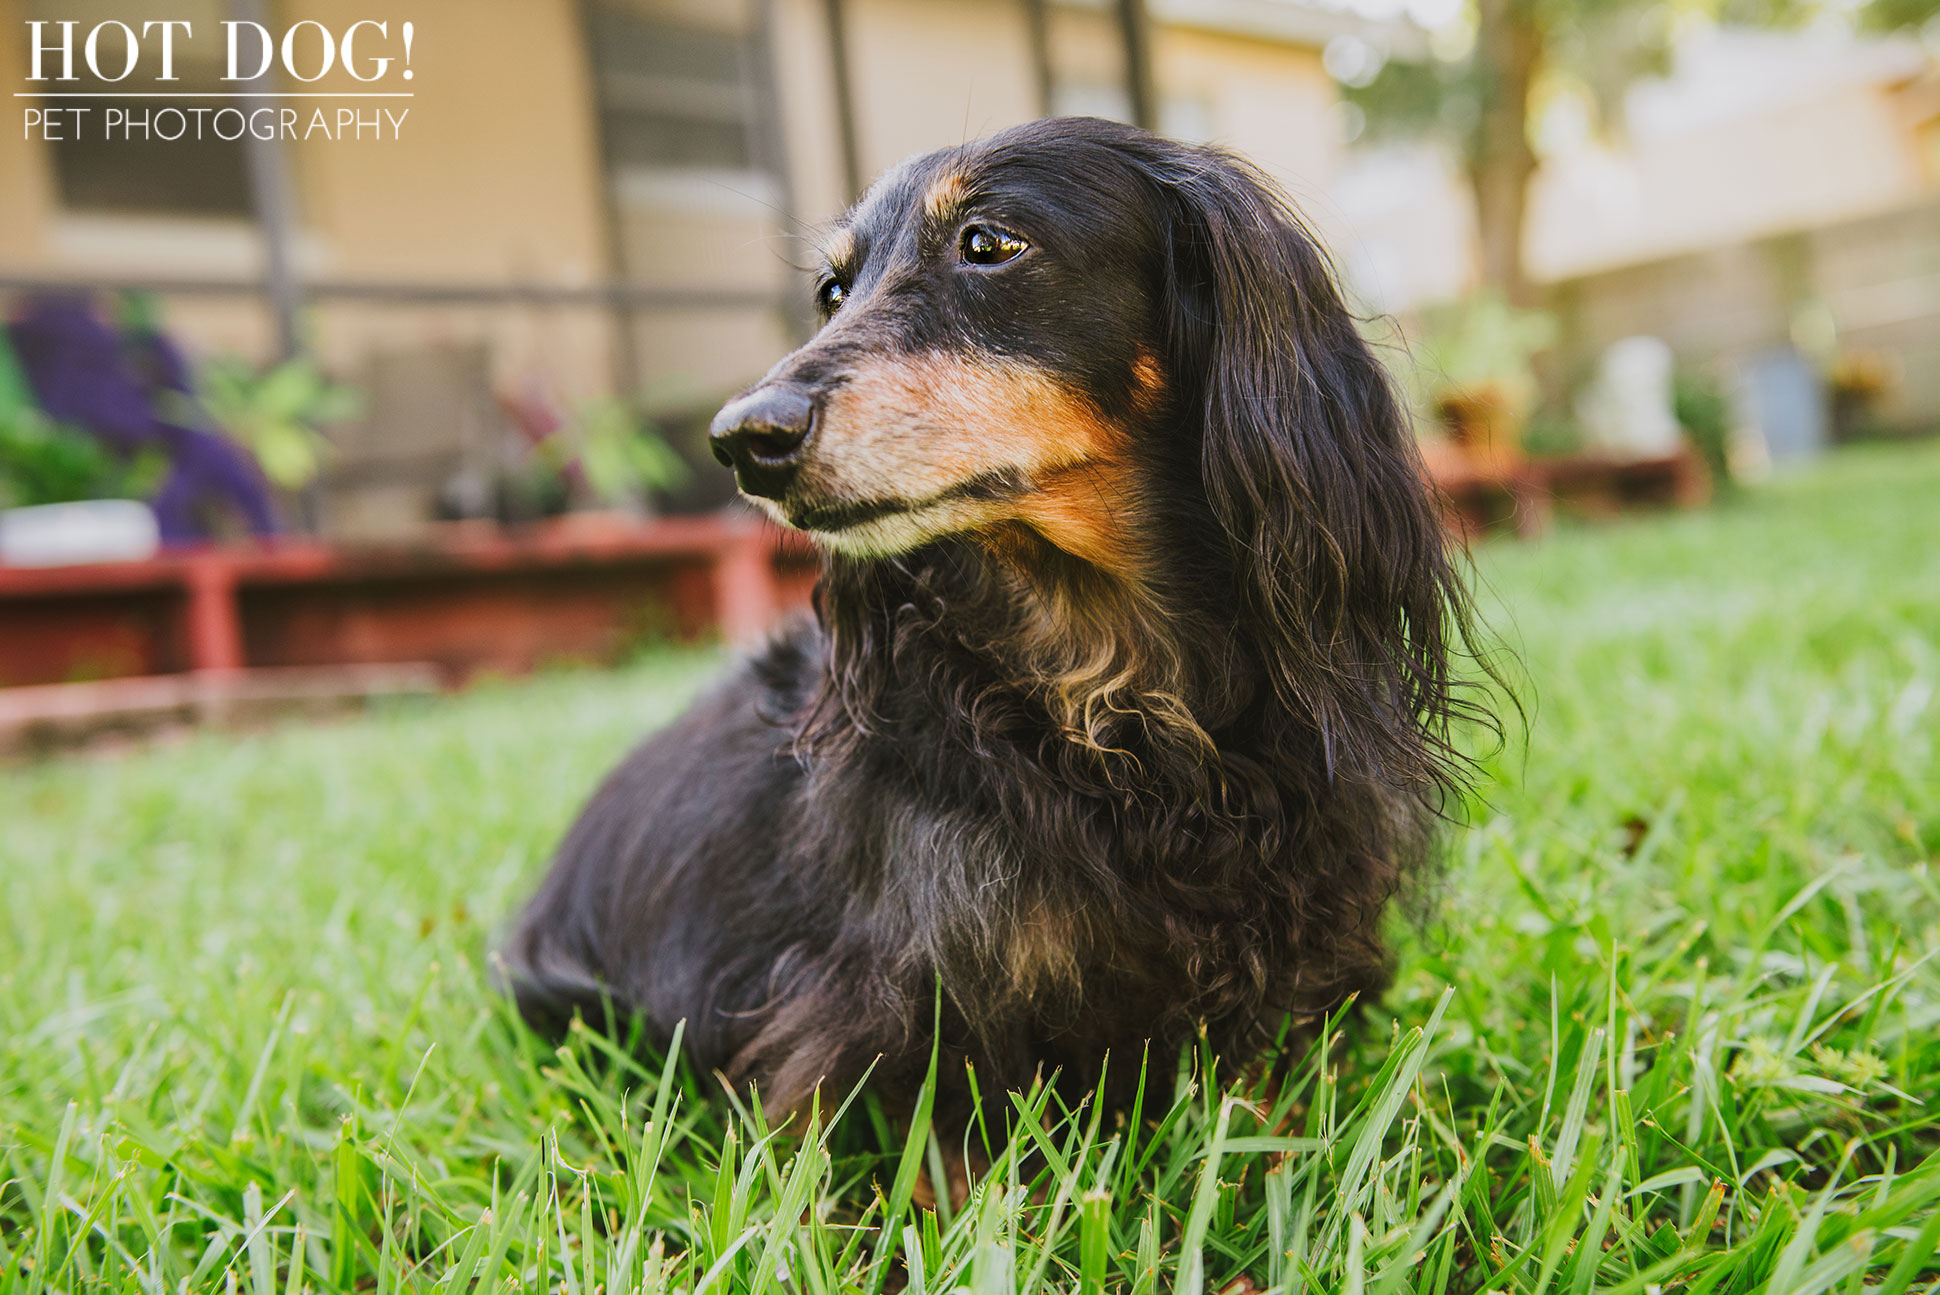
x: 622, y: 452
x: 1675, y: 1028
x: 534, y: 488
x: 1552, y: 432
x: 1704, y: 412
x: 277, y: 413
x: 1480, y: 343
x: 1596, y: 47
x: 44, y: 462
x: 1435, y: 97
x: 1871, y: 15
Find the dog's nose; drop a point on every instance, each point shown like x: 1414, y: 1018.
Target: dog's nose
x: 760, y: 435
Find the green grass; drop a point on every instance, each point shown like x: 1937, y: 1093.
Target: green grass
x: 1675, y: 1026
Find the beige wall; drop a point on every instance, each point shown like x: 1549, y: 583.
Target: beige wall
x: 1819, y: 161
x: 805, y: 92
x: 26, y: 187
x: 1410, y: 217
x: 484, y: 186
x: 1270, y: 102
x: 494, y: 178
x: 1876, y: 279
x: 497, y: 177
x: 932, y: 73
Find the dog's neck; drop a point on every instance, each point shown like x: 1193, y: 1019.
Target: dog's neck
x: 1008, y: 622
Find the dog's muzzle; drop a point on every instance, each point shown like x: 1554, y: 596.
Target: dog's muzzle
x: 762, y: 435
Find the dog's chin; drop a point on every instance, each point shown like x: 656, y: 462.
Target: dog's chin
x: 860, y: 525
x: 879, y: 529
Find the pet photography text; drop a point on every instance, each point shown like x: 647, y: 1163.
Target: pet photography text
x: 119, y: 80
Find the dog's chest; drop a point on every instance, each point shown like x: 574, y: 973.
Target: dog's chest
x: 1036, y: 905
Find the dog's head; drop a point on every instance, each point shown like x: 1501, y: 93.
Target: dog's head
x: 990, y: 352
x: 1074, y: 326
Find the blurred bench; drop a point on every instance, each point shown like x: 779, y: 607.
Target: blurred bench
x: 1522, y: 495
x: 1602, y: 485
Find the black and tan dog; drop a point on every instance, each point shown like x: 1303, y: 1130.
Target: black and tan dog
x: 1127, y: 703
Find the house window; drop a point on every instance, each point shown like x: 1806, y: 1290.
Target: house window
x: 130, y: 174
x: 135, y: 172
x: 672, y: 96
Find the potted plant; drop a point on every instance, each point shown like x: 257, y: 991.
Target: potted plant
x: 277, y: 414
x: 605, y: 459
x: 64, y: 495
x: 1475, y: 375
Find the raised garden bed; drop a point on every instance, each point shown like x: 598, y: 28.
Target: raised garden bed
x: 466, y: 599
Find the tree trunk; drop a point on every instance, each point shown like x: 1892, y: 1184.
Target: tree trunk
x: 1508, y: 46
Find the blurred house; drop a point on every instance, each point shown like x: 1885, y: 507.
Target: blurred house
x: 1772, y: 207
x: 1777, y: 207
x: 600, y: 196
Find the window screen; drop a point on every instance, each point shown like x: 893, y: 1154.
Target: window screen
x: 671, y: 96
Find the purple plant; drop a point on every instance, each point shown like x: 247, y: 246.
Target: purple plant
x: 132, y: 393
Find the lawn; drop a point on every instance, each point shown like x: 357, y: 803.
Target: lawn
x: 1674, y: 1022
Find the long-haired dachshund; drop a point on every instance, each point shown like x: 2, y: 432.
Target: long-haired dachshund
x: 1126, y: 707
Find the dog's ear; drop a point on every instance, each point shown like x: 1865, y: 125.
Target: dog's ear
x: 1334, y: 542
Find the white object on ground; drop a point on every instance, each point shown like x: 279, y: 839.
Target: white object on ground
x: 94, y: 530
x: 1628, y: 408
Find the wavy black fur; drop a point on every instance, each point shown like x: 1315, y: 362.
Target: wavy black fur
x: 1098, y: 808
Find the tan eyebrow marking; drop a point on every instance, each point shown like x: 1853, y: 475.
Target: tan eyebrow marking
x: 840, y: 250
x: 948, y: 192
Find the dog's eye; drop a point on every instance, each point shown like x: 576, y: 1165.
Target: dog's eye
x: 983, y: 245
x: 830, y: 296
